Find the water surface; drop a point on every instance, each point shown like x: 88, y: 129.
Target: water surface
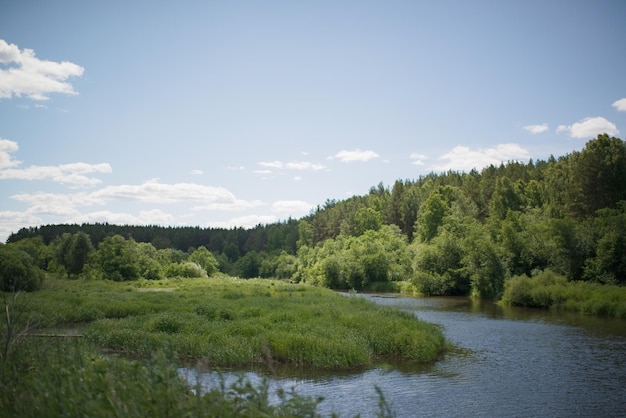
x: 509, y: 362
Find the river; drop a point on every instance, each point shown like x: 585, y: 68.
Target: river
x: 508, y: 362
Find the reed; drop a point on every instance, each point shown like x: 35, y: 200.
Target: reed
x: 552, y: 291
x: 64, y: 378
x: 234, y: 322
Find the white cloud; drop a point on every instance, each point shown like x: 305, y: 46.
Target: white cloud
x: 536, y: 129
x: 304, y: 165
x: 355, y: 155
x: 271, y: 164
x: 202, y: 197
x: 11, y: 222
x: 26, y: 75
x: 589, y: 128
x: 620, y: 104
x: 418, y: 159
x: 197, y: 172
x: 463, y: 159
x: 293, y: 208
x: 154, y: 192
x: 74, y: 173
x: 148, y: 217
x: 6, y: 148
x: 57, y: 204
x: 229, y: 206
x: 249, y: 221
x: 294, y: 165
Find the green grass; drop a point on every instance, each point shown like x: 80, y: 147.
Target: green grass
x: 213, y: 322
x: 551, y: 291
x: 64, y: 378
x: 234, y: 322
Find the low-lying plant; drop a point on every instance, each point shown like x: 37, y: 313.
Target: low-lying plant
x: 229, y: 322
x: 552, y: 291
x: 71, y: 379
x: 268, y: 322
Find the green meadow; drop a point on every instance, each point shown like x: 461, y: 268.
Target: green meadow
x: 234, y: 322
x: 102, y: 348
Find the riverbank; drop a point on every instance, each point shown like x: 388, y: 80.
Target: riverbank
x: 234, y: 322
x: 551, y: 291
x: 117, y: 345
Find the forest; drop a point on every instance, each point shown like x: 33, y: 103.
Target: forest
x: 451, y: 233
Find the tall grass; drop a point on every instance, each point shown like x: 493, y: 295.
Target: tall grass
x: 549, y: 290
x: 214, y: 322
x: 70, y: 379
x: 233, y: 322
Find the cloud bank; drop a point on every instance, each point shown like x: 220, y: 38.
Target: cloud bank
x: 23, y: 74
x: 536, y: 129
x: 347, y: 156
x: 418, y: 159
x: 462, y: 158
x: 294, y: 165
x: 292, y: 207
x: 620, y: 104
x: 589, y: 128
x: 75, y: 174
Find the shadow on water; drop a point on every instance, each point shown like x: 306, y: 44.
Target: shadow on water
x: 598, y: 325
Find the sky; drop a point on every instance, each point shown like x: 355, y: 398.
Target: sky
x: 239, y: 113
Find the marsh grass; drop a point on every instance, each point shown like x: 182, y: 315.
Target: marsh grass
x: 234, y: 322
x: 207, y: 322
x: 64, y: 378
x: 552, y: 291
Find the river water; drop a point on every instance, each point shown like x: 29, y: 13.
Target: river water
x: 508, y: 362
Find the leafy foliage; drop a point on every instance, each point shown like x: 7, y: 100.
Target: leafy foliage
x: 354, y: 262
x: 447, y: 233
x: 551, y: 290
x: 18, y: 271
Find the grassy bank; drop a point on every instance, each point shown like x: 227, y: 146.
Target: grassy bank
x: 549, y: 290
x: 70, y: 378
x: 123, y: 341
x: 232, y: 322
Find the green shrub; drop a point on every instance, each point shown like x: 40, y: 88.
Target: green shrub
x: 432, y: 284
x: 187, y: 269
x: 550, y: 290
x: 17, y: 270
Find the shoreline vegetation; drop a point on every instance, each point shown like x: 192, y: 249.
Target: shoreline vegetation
x: 235, y: 322
x: 136, y: 333
x: 546, y: 234
x: 548, y: 290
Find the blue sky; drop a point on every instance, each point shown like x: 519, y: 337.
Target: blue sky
x: 234, y: 113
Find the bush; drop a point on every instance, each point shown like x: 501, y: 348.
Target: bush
x: 17, y: 271
x: 550, y: 290
x: 186, y: 269
x: 432, y: 284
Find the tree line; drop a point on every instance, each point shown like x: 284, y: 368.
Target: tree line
x: 451, y: 233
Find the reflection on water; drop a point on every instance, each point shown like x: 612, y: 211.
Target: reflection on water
x: 508, y: 362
